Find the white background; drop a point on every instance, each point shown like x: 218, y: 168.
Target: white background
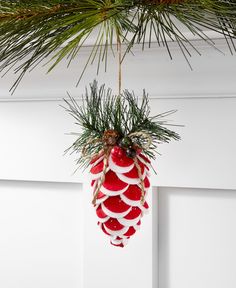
x: 48, y: 227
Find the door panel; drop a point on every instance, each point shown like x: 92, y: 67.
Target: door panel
x: 41, y: 243
x: 197, y: 237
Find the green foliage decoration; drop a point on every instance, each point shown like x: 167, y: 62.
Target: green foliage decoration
x: 102, y: 111
x: 31, y: 31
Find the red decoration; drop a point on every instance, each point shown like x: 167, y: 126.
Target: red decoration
x: 119, y: 206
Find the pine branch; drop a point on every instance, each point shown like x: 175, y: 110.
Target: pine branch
x: 99, y: 113
x: 32, y: 31
x: 195, y: 15
x: 42, y: 27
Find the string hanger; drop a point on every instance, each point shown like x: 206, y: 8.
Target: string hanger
x: 119, y: 49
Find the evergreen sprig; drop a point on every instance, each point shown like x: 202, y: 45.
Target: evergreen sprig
x: 101, y: 111
x: 57, y: 28
x: 33, y: 30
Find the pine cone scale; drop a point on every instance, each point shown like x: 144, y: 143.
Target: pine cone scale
x: 119, y: 208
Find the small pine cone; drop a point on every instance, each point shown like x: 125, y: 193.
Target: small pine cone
x: 110, y: 137
x: 118, y: 204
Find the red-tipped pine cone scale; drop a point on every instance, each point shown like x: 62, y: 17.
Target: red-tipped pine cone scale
x: 98, y: 168
x: 115, y: 205
x: 118, y: 202
x: 119, y: 157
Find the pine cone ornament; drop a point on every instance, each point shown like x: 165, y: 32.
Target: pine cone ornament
x: 120, y: 184
x: 117, y: 136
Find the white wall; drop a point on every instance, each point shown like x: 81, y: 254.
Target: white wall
x: 32, y: 129
x: 42, y: 234
x: 197, y: 238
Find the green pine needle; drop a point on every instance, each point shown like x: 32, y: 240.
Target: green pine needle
x: 101, y: 111
x: 32, y: 31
